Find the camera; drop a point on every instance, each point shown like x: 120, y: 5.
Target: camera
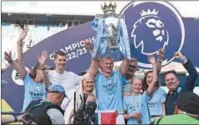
x: 85, y: 114
x: 27, y: 117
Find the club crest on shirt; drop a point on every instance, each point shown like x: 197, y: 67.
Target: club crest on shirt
x: 110, y: 87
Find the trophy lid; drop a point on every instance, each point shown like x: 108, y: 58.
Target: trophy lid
x: 109, y: 8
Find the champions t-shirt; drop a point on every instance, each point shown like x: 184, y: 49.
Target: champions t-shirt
x: 109, y: 91
x: 137, y: 103
x: 33, y: 91
x: 155, y: 101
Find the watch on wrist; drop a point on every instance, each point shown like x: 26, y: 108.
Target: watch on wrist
x: 159, y: 60
x: 10, y: 61
x: 15, y: 117
x: 19, y: 43
x: 42, y: 68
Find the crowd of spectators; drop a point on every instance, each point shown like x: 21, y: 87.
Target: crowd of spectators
x: 137, y: 100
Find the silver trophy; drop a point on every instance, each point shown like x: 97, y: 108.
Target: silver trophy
x: 111, y: 32
x: 111, y: 22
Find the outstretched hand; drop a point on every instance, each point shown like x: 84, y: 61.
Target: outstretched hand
x: 151, y: 59
x: 8, y: 56
x: 178, y: 55
x: 23, y: 34
x: 22, y: 118
x: 137, y: 115
x: 42, y: 59
x: 88, y: 44
x: 161, y: 54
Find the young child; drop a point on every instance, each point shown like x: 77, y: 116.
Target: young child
x: 136, y: 104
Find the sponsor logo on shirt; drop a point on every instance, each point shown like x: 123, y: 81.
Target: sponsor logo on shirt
x: 110, y: 87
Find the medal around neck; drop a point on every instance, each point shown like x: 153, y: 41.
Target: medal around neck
x: 112, y: 36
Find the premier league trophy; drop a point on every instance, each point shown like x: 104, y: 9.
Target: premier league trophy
x: 112, y: 35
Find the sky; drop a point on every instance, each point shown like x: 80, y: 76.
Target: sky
x: 186, y: 8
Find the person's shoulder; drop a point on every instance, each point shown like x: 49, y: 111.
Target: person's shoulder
x: 161, y: 90
x: 176, y: 119
x: 165, y: 119
x: 69, y: 73
x: 28, y: 78
x: 53, y: 109
x: 51, y: 72
x: 126, y: 94
x: 116, y: 72
x: 54, y: 112
x: 99, y: 74
x: 77, y: 88
x: 127, y: 97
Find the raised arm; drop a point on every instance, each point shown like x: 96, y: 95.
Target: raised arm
x: 155, y: 76
x: 88, y: 44
x: 42, y: 60
x: 13, y: 118
x: 21, y: 66
x: 124, y: 67
x: 8, y: 57
x: 93, y: 69
x: 190, y: 82
x: 159, y: 60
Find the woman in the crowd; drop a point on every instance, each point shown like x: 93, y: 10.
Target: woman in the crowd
x: 135, y: 105
x: 35, y: 82
x: 85, y: 88
x: 157, y: 99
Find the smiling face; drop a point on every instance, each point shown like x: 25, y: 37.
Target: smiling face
x: 88, y: 84
x: 171, y: 81
x: 107, y: 65
x: 39, y: 75
x: 149, y: 78
x: 60, y: 62
x: 137, y: 85
x: 132, y: 68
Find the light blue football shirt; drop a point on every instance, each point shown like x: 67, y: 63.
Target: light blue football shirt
x: 109, y: 91
x: 155, y: 102
x: 33, y: 91
x: 137, y: 103
x: 127, y: 88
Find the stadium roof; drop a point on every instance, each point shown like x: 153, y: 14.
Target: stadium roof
x: 186, y: 8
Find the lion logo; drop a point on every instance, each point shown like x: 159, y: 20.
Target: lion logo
x: 152, y: 25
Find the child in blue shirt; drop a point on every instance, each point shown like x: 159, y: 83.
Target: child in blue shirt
x: 136, y: 104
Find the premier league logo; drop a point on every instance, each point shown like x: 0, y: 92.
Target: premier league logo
x: 154, y: 27
x: 151, y: 26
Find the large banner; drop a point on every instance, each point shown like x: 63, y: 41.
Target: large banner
x: 151, y: 25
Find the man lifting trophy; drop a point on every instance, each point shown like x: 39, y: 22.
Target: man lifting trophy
x: 112, y: 36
